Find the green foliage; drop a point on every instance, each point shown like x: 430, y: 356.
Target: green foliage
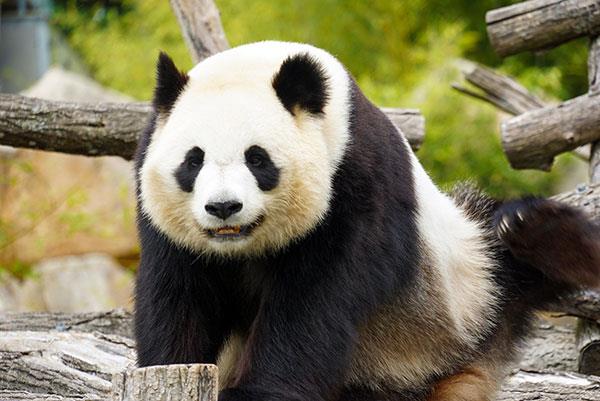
x: 402, y: 53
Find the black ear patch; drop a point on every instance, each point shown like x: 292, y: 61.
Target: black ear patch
x: 170, y: 82
x: 301, y: 82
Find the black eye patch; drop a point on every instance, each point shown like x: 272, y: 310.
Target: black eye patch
x: 262, y: 167
x: 188, y: 170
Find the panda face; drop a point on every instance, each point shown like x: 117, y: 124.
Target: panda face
x: 232, y: 169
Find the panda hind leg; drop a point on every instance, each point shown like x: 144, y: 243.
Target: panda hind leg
x: 558, y: 240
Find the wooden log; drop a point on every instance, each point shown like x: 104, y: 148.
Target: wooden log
x: 550, y: 347
x: 64, y: 364
x: 532, y: 140
x: 197, y: 382
x: 497, y: 89
x: 563, y: 386
x: 594, y: 90
x: 10, y: 395
x: 588, y: 345
x: 117, y: 322
x: 110, y: 129
x: 84, y: 129
x: 541, y: 24
x: 201, y: 27
x: 585, y: 197
x: 583, y: 304
x: 410, y: 122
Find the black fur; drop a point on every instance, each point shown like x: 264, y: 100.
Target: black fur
x: 262, y: 167
x: 301, y: 82
x: 189, y: 168
x: 170, y: 82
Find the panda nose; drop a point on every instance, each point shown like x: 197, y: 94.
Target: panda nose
x: 223, y: 209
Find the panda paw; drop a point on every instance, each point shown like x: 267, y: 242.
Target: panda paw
x: 552, y: 237
x: 524, y: 223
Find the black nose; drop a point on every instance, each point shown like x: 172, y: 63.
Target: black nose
x: 223, y: 209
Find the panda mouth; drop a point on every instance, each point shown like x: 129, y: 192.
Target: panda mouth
x: 233, y: 232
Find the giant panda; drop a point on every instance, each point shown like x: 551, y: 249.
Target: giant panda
x: 290, y: 235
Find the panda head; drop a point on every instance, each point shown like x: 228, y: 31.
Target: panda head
x: 245, y: 147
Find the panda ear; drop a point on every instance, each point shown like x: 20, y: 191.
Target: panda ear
x: 301, y: 83
x: 170, y: 82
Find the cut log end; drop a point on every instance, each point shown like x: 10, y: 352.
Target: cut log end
x: 196, y: 382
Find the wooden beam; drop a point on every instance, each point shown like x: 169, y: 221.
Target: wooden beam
x: 196, y: 382
x: 410, y: 122
x: 548, y: 386
x: 201, y: 27
x: 497, y: 89
x: 84, y: 129
x: 541, y: 24
x: 110, y: 129
x: 66, y: 364
x: 117, y: 321
x: 532, y: 140
x: 594, y: 90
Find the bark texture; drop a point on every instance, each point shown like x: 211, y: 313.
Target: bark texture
x: 540, y: 386
x: 117, y: 322
x: 497, y: 89
x: 201, y: 27
x: 587, y: 198
x: 532, y: 140
x: 65, y: 364
x: 551, y: 347
x: 594, y: 82
x: 84, y: 129
x: 110, y: 129
x: 588, y: 344
x: 541, y: 24
x: 195, y: 382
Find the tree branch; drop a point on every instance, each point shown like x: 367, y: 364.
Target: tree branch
x: 541, y: 24
x: 533, y: 139
x: 497, y: 89
x: 201, y: 27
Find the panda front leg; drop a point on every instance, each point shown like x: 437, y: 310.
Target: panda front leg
x: 179, y: 306
x: 299, y: 347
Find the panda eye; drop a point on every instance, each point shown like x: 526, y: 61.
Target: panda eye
x: 255, y: 160
x: 194, y: 158
x: 194, y: 163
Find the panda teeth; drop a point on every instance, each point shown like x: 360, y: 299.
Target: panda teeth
x: 228, y: 230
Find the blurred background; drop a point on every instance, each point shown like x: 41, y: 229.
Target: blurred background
x: 67, y: 235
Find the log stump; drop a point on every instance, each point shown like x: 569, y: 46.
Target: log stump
x: 196, y: 382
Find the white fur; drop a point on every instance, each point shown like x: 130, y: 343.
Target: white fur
x: 228, y: 105
x: 460, y: 255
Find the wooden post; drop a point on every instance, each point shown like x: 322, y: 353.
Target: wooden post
x: 594, y: 82
x: 201, y: 27
x: 166, y: 383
